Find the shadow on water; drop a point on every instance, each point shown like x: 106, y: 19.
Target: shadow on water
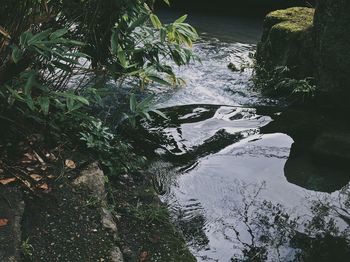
x: 304, y: 166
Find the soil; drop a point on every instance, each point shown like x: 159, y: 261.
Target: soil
x: 64, y: 226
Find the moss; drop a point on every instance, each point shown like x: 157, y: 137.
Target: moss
x: 293, y: 19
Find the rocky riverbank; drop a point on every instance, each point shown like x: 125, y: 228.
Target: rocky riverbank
x: 76, y: 220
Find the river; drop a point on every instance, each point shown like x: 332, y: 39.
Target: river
x: 225, y: 149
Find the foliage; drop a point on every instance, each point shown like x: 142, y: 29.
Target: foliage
x: 151, y: 213
x: 113, y: 153
x: 58, y: 56
x: 141, y: 109
x: 279, y: 83
x: 27, y: 249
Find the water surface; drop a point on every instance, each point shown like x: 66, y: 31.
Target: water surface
x: 215, y: 152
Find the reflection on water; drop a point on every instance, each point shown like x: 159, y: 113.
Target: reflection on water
x: 211, y: 150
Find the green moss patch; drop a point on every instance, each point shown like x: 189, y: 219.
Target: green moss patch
x: 293, y: 19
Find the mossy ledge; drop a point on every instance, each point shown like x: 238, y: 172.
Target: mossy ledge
x: 294, y: 19
x: 287, y: 41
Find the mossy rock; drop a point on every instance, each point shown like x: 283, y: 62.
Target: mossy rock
x: 288, y: 41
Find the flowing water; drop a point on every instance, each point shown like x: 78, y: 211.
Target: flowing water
x: 217, y: 152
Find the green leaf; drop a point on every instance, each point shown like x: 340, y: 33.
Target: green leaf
x: 30, y: 102
x: 58, y: 33
x: 167, y: 2
x: 23, y: 40
x: 163, y: 35
x: 39, y: 37
x: 133, y: 103
x: 122, y: 57
x: 159, y: 113
x: 114, y: 42
x: 29, y: 83
x: 70, y: 103
x: 147, y: 115
x: 155, y: 21
x: 145, y: 103
x: 44, y: 103
x: 138, y: 22
x: 80, y: 99
x: 181, y: 19
x: 158, y: 80
x: 17, y: 54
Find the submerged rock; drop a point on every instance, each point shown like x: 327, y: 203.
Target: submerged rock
x: 288, y: 41
x: 233, y: 67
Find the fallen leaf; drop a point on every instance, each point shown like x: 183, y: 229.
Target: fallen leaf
x: 36, y: 177
x: 3, y: 222
x: 51, y: 157
x: 30, y: 157
x: 4, y: 32
x: 70, y: 164
x: 6, y: 181
x: 26, y: 183
x: 44, y: 186
x: 39, y: 158
x: 143, y: 255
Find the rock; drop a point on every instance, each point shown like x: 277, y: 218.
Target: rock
x: 116, y: 255
x: 333, y: 146
x: 287, y: 40
x: 92, y: 178
x: 332, y: 33
x: 311, y: 43
x: 11, y: 209
x: 233, y: 67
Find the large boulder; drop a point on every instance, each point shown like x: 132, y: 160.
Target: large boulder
x: 332, y: 38
x: 287, y: 41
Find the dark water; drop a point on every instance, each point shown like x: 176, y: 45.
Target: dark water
x: 224, y: 144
